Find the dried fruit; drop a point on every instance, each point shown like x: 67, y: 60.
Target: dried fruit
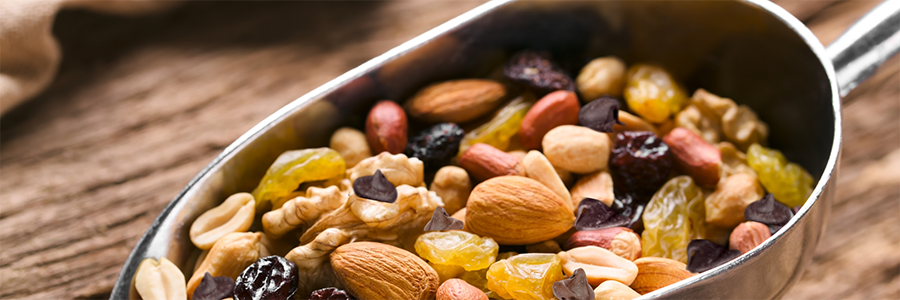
x: 748, y: 235
x: 656, y: 272
x: 652, y: 93
x: 600, y: 115
x: 619, y: 240
x: 577, y: 149
x: 214, y: 288
x: 375, y: 187
x: 457, y: 248
x: 602, y: 76
x: 452, y: 184
x: 293, y: 168
x: 769, y: 212
x: 456, y: 101
x: 599, y: 264
x: 537, y: 72
x: 704, y: 255
x: 594, y: 215
x: 440, y: 220
x: 371, y: 270
x: 515, y: 210
x: 351, y: 144
x: 269, y: 278
x: 575, y: 287
x: 330, y: 293
x: 483, y: 162
x: 726, y: 205
x: 501, y: 128
x: 457, y: 289
x: 386, y: 127
x: 555, y: 109
x: 437, y: 145
x: 694, y: 156
x: 788, y: 182
x: 159, y: 280
x: 525, y: 276
x: 235, y: 214
x: 640, y: 162
x: 673, y: 218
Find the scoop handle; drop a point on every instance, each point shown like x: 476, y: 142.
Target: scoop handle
x: 868, y: 43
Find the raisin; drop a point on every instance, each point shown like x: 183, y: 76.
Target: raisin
x: 293, y: 168
x: 674, y: 217
x: 501, y: 128
x: 330, y: 293
x: 537, y: 72
x: 457, y: 248
x: 375, y: 187
x: 594, y: 215
x: 525, y: 276
x: 441, y: 220
x: 214, y: 288
x: 436, y: 145
x: 769, y: 212
x: 574, y: 288
x: 640, y: 162
x: 652, y: 93
x: 787, y: 181
x: 600, y: 114
x: 269, y: 278
x: 704, y: 255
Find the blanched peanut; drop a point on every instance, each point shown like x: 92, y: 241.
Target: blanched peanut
x: 228, y: 257
x: 597, y: 185
x: 302, y: 211
x: 577, y: 149
x: 614, y: 290
x: 233, y: 215
x: 159, y: 280
x: 537, y: 167
x: 601, y: 76
x: 351, y: 144
x: 725, y: 206
x: 452, y: 184
x: 599, y: 265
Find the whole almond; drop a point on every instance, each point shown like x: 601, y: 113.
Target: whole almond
x: 694, y: 156
x: 554, y: 109
x: 371, y: 270
x: 458, y: 289
x: 483, y: 161
x: 456, y: 101
x: 386, y: 128
x: 656, y: 272
x: 748, y: 235
x: 515, y: 210
x: 619, y: 240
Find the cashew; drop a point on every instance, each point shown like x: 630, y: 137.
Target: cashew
x: 302, y: 211
x: 159, y: 280
x: 725, y: 206
x: 715, y: 104
x: 452, y: 184
x: 228, y: 257
x: 599, y: 265
x: 701, y: 121
x: 602, y: 76
x: 577, y: 149
x: 234, y: 215
x: 597, y: 185
x: 743, y: 128
x: 399, y: 169
x: 351, y: 144
x: 733, y: 161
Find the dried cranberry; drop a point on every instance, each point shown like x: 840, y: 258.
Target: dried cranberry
x: 436, y: 145
x: 600, y: 114
x: 769, y: 212
x: 214, y: 288
x: 594, y: 215
x: 537, y: 72
x: 640, y: 162
x: 575, y: 287
x: 441, y: 220
x: 704, y: 255
x: 269, y: 278
x: 330, y: 293
x: 375, y: 187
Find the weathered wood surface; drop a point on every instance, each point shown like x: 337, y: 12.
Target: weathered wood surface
x: 141, y: 104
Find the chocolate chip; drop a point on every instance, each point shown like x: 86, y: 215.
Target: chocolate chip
x: 594, y: 215
x: 704, y: 255
x: 600, y: 114
x: 574, y: 288
x: 214, y: 288
x: 440, y: 220
x: 375, y: 187
x: 769, y: 212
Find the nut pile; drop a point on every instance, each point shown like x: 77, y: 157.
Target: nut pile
x: 537, y: 192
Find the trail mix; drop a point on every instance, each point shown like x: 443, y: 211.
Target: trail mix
x: 507, y: 188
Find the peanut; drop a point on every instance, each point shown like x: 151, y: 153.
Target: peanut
x: 159, y: 280
x: 577, y: 149
x: 452, y: 184
x: 234, y: 215
x: 599, y: 265
x: 228, y: 257
x: 601, y: 76
x: 351, y: 144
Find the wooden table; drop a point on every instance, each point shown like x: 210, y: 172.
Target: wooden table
x: 142, y: 104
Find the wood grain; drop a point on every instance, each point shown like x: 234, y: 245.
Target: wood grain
x: 142, y: 104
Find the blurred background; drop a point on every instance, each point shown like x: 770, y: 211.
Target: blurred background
x: 141, y: 103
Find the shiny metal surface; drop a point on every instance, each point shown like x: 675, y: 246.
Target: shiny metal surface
x: 751, y: 51
x: 866, y: 45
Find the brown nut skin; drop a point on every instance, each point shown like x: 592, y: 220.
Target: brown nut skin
x: 456, y: 101
x: 619, y: 240
x: 483, y: 162
x: 748, y: 235
x: 656, y: 272
x: 694, y: 156
x: 458, y: 289
x: 386, y: 128
x: 554, y: 109
x: 371, y: 270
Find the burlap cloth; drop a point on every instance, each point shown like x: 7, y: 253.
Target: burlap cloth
x: 29, y: 55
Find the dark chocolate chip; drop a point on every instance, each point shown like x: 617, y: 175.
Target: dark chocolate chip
x: 768, y: 211
x: 704, y: 255
x: 440, y: 220
x: 375, y: 187
x: 594, y: 215
x: 214, y: 288
x: 574, y: 288
x: 600, y: 114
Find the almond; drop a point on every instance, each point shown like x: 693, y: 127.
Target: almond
x: 515, y: 210
x: 656, y: 272
x: 456, y: 101
x: 554, y: 109
x: 694, y: 156
x: 620, y: 240
x: 386, y: 128
x: 483, y: 161
x: 457, y: 289
x: 372, y: 270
